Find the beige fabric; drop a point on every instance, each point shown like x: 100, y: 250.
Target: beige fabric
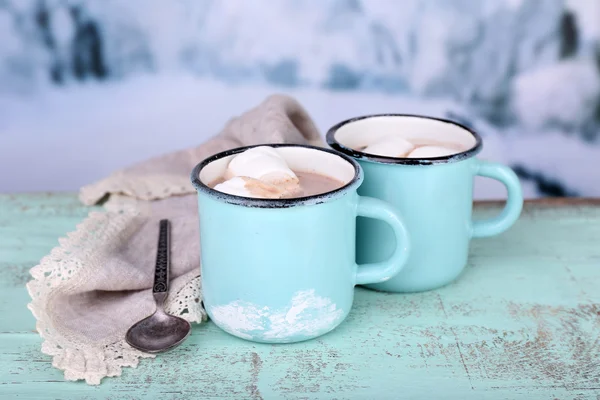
x: 96, y: 283
x: 279, y: 119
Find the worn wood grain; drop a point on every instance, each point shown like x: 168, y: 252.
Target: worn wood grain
x: 522, y: 321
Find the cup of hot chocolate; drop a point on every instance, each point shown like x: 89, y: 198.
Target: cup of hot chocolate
x: 277, y: 238
x: 425, y: 168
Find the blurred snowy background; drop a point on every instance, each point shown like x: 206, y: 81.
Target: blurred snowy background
x: 89, y: 86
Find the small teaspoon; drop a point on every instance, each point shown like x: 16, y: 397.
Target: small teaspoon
x: 160, y: 331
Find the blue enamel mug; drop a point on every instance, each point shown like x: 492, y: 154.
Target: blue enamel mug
x: 433, y: 196
x: 284, y: 270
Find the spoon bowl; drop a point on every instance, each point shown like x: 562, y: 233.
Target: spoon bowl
x: 158, y: 332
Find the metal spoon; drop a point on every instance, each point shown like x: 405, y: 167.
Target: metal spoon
x: 160, y: 331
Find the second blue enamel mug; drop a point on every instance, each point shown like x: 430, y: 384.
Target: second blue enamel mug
x: 433, y: 195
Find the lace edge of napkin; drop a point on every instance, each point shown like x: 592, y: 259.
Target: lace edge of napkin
x: 150, y: 187
x: 88, y: 361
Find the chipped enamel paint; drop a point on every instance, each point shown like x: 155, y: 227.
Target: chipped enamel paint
x: 307, y: 315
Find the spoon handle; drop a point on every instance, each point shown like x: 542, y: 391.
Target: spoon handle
x: 161, y: 271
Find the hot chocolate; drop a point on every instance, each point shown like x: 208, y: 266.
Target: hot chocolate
x: 309, y: 183
x: 262, y: 172
x: 399, y: 136
x: 395, y: 145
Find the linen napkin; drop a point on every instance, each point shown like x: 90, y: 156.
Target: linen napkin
x: 91, y: 288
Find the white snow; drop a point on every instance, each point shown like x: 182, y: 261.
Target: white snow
x: 55, y: 138
x: 440, y: 46
x: 63, y: 139
x: 588, y: 14
x: 573, y: 162
x: 565, y: 93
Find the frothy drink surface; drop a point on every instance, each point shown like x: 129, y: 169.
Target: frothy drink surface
x: 421, y: 142
x: 414, y: 147
x: 310, y: 184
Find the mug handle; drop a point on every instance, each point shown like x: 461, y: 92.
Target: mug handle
x: 382, y: 271
x: 514, y: 203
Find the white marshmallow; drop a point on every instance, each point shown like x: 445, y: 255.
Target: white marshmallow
x: 235, y: 186
x: 431, y: 151
x: 263, y: 163
x: 249, y: 187
x: 390, y: 146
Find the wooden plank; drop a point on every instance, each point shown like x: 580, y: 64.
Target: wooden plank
x: 522, y: 321
x: 554, y: 202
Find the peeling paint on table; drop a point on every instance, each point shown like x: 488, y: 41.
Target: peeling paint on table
x: 523, y: 321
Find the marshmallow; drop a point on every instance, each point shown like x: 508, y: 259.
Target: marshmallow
x: 390, y: 146
x: 432, y: 151
x: 263, y: 163
x: 249, y: 187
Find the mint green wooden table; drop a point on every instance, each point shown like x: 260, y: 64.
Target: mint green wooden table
x: 523, y: 321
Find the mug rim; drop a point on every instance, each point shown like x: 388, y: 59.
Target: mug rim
x: 336, y: 145
x: 274, y: 203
